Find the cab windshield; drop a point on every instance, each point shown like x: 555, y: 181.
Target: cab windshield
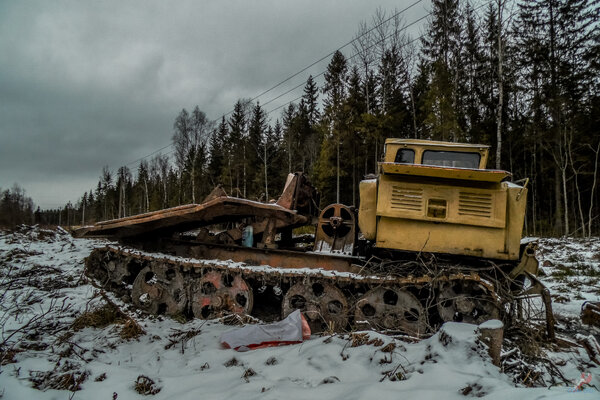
x: 451, y: 159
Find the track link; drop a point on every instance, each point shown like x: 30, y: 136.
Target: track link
x: 330, y: 300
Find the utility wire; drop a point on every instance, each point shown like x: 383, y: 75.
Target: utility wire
x: 355, y: 55
x: 350, y: 58
x: 323, y: 72
x: 151, y: 154
x: 333, y: 52
x: 303, y: 70
x: 169, y: 154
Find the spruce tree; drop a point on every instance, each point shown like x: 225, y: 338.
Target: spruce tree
x: 217, y: 152
x: 256, y: 140
x: 441, y: 47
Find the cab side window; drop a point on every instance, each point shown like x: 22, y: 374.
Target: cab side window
x: 405, y: 156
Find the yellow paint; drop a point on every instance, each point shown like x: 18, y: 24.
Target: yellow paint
x: 436, y: 209
x: 484, y: 175
x: 367, y: 212
x: 392, y: 146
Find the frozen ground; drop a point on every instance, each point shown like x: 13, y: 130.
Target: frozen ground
x: 43, y: 291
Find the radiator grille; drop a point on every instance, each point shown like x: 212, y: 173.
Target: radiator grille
x: 407, y: 199
x: 475, y: 204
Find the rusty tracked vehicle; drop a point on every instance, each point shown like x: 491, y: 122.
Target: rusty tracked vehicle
x: 436, y: 238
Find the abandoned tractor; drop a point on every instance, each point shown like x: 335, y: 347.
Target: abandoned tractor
x: 436, y: 238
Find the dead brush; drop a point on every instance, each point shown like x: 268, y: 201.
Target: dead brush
x: 527, y: 338
x: 361, y: 339
x: 71, y: 380
x: 8, y: 356
x: 389, y: 348
x: 180, y: 336
x: 238, y: 319
x: 109, y: 314
x: 99, y: 318
x: 131, y: 330
x: 146, y: 386
x: 248, y: 373
x: 525, y: 358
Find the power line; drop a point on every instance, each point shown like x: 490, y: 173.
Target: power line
x: 323, y: 72
x: 170, y: 153
x: 349, y: 58
x: 333, y: 52
x: 355, y: 55
x: 301, y: 71
x: 151, y: 154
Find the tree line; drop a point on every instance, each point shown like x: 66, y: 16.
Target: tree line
x: 15, y: 207
x: 523, y: 77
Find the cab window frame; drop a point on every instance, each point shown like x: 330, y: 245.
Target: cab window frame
x: 399, y: 154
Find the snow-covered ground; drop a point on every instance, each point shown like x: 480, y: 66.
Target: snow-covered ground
x: 43, y: 291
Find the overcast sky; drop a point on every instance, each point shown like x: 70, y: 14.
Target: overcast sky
x: 85, y: 84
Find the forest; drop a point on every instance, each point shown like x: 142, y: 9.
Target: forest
x: 522, y: 77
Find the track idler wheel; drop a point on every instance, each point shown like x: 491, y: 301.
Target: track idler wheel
x: 158, y: 290
x: 216, y: 294
x: 324, y: 306
x: 464, y: 301
x: 388, y: 308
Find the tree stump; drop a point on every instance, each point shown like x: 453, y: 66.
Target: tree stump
x: 491, y: 333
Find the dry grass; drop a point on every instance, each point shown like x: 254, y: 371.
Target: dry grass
x: 99, y: 318
x: 248, y: 373
x: 131, y: 330
x: 146, y: 386
x: 106, y: 315
x: 361, y: 339
x: 238, y: 319
x: 44, y: 380
x: 8, y: 356
x: 180, y: 336
x: 232, y: 363
x: 389, y: 348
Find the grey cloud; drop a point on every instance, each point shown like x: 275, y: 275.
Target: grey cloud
x: 87, y: 84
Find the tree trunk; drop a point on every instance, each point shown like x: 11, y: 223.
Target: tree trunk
x: 289, y: 153
x: 121, y: 207
x: 266, y: 178
x: 414, y: 114
x: 147, y: 197
x: 558, y: 212
x: 566, y: 203
x: 338, y: 172
x: 597, y: 151
x: 354, y: 174
x: 244, y: 166
x: 500, y: 92
x: 576, y: 175
x: 193, y: 177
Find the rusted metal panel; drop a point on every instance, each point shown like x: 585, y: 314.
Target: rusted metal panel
x: 193, y: 216
x: 296, y: 207
x: 273, y: 257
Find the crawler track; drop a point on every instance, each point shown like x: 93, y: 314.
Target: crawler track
x: 330, y: 299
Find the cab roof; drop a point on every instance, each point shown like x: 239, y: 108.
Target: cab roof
x: 423, y: 142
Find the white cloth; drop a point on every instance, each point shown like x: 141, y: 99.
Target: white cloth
x: 286, y: 331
